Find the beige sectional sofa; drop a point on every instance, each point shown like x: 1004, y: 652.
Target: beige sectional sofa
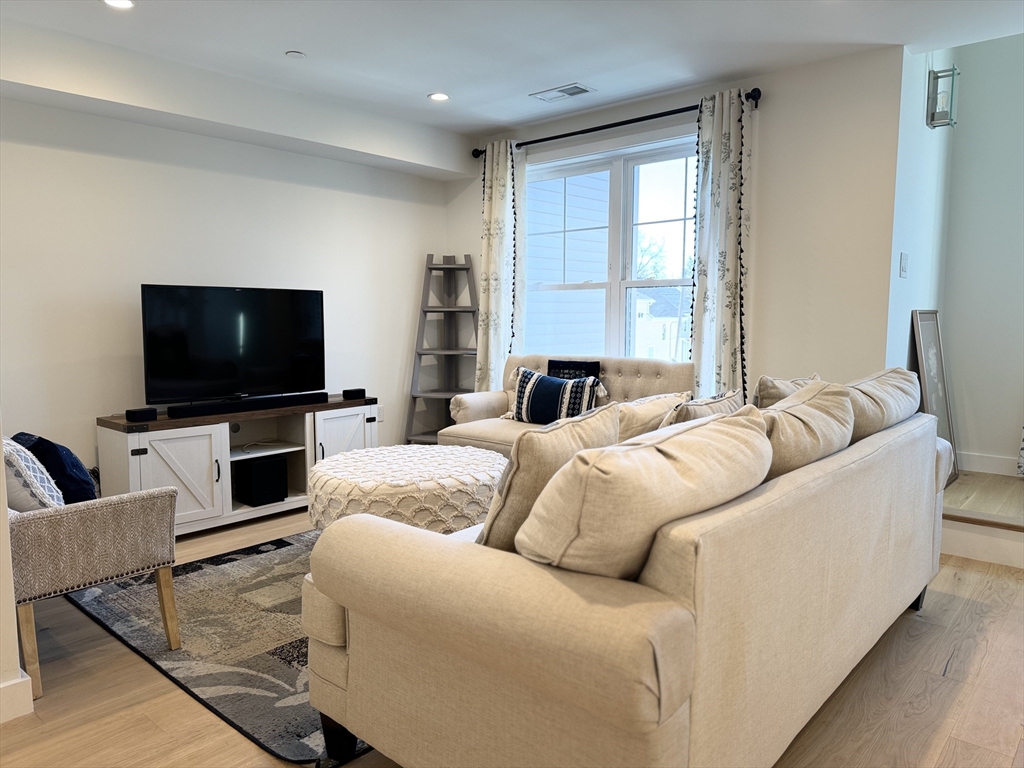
x: 742, y: 620
x: 478, y: 415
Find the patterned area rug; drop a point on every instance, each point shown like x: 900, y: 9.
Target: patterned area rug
x: 243, y: 652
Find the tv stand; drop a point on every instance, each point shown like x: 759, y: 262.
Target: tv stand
x: 196, y: 454
x: 245, y: 404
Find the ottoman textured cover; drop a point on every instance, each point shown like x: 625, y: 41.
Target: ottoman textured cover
x: 442, y: 488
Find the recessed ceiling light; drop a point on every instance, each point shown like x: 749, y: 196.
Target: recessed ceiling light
x: 120, y: 4
x: 438, y: 96
x: 295, y: 54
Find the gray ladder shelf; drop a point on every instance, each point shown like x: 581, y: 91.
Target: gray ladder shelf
x: 431, y: 405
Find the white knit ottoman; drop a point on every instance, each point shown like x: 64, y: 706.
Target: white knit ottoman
x: 442, y: 488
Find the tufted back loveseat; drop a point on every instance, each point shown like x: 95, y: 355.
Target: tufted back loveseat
x: 477, y: 415
x: 625, y: 378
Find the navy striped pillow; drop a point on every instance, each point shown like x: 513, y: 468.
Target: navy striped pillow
x: 543, y: 399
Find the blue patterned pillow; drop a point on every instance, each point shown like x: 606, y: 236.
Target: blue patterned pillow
x: 543, y: 399
x: 29, y: 486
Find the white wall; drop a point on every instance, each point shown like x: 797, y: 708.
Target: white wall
x: 825, y: 179
x: 92, y: 207
x: 823, y: 191
x: 15, y: 686
x: 919, y: 217
x: 982, y: 319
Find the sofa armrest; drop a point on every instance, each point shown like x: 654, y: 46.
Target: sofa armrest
x: 62, y: 549
x: 618, y: 649
x: 474, y: 406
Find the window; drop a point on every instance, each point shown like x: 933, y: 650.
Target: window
x: 609, y: 254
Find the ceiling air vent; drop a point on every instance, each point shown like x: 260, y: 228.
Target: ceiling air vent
x: 562, y: 92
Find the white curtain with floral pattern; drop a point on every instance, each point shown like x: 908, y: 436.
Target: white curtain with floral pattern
x: 499, y: 329
x: 724, y: 146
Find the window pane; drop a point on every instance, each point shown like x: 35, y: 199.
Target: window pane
x: 658, y: 251
x: 658, y: 323
x: 586, y: 256
x: 691, y: 187
x: 564, y: 322
x: 544, y: 258
x: 545, y: 206
x: 659, y: 191
x: 586, y: 200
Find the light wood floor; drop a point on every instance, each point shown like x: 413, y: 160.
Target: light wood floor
x: 944, y: 687
x: 991, y: 498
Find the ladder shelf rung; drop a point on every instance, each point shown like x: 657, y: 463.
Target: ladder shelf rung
x: 464, y: 351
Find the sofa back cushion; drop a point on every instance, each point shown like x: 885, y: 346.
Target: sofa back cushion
x: 625, y: 378
x: 723, y: 402
x: 639, y: 417
x: 537, y: 454
x: 600, y: 512
x: 886, y: 398
x: 769, y: 391
x: 812, y: 423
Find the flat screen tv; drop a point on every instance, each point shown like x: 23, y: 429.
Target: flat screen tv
x: 206, y: 343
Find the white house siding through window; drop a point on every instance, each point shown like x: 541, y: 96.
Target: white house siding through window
x: 609, y: 254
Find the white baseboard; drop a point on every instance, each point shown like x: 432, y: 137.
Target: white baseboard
x: 15, y: 698
x: 979, y: 542
x: 982, y: 462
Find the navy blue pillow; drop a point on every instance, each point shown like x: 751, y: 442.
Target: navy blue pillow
x: 543, y: 399
x: 68, y: 472
x: 574, y: 369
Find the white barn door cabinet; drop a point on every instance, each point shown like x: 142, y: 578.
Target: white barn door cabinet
x: 196, y: 455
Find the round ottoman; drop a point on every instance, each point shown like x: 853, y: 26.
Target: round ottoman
x: 442, y: 488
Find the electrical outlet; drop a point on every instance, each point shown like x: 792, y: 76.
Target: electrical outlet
x: 904, y: 263
x: 380, y: 413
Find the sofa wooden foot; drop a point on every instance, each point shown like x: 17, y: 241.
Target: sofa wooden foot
x: 338, y: 740
x: 918, y: 604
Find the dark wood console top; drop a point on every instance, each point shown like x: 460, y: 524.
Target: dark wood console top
x: 118, y: 422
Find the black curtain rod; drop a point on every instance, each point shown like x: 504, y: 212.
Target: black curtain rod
x: 754, y: 95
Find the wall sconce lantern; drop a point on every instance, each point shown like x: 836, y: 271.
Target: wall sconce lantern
x: 941, y: 86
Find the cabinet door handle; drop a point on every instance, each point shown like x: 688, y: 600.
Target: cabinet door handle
x: 217, y: 462
x: 323, y: 453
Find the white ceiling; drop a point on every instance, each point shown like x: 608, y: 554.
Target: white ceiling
x: 386, y: 55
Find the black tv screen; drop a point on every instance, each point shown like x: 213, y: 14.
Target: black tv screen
x: 205, y: 343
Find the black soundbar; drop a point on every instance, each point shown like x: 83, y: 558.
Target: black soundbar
x: 237, y: 406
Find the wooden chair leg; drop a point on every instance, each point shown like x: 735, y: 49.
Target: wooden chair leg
x: 29, y: 649
x: 165, y: 591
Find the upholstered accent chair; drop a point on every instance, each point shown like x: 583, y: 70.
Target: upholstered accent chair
x: 477, y: 415
x: 67, y: 548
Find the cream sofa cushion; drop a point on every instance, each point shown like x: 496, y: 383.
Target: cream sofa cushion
x: 601, y: 511
x: 769, y: 391
x: 724, y: 402
x: 886, y: 398
x: 537, y: 454
x: 812, y: 423
x: 646, y: 414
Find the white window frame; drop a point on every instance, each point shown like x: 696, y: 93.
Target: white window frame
x: 620, y: 164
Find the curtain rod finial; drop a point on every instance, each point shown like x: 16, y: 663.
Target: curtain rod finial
x: 754, y: 95
x: 478, y: 153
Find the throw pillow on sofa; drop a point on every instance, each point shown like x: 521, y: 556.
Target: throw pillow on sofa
x: 723, y: 402
x: 886, y: 398
x: 574, y: 369
x: 541, y: 399
x: 67, y: 471
x: 812, y: 423
x: 769, y: 391
x: 29, y: 486
x: 601, y: 511
x: 536, y: 455
x: 638, y: 417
